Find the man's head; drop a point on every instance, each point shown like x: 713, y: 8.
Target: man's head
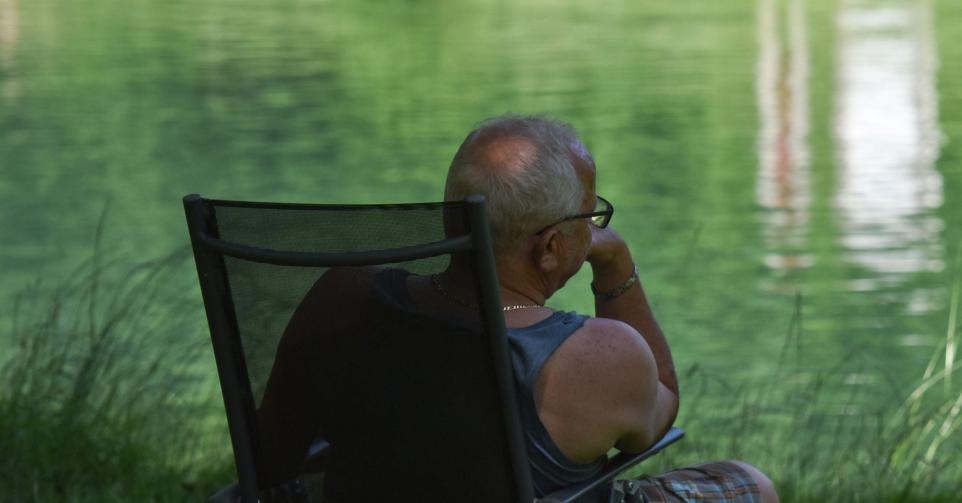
x: 532, y: 171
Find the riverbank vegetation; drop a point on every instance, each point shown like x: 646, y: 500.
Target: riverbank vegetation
x: 102, y: 397
x: 824, y: 435
x: 107, y: 394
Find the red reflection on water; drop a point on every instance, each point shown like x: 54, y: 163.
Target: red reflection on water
x: 783, y: 186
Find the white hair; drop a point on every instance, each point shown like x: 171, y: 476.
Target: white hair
x: 526, y: 191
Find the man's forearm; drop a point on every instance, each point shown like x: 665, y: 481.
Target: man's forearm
x: 632, y: 307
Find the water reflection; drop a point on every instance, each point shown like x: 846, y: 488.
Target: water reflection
x: 9, y: 37
x: 783, y: 187
x: 887, y: 139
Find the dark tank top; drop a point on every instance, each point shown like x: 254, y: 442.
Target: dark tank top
x: 530, y: 348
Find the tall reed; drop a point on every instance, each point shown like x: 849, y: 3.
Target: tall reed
x: 817, y: 447
x: 104, y: 391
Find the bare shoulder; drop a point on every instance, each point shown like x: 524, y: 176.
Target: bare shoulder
x: 610, y: 344
x: 603, y: 366
x: 342, y: 277
x: 338, y: 284
x: 335, y: 297
x: 604, y: 360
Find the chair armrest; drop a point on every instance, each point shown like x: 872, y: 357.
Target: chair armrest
x: 314, y: 458
x: 617, y: 464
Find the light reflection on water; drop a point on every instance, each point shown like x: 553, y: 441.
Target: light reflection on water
x: 885, y: 131
x: 783, y: 184
x: 885, y: 189
x: 887, y: 139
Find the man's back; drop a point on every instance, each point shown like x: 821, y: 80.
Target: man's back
x: 406, y: 397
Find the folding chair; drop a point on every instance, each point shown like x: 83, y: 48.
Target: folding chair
x: 335, y: 352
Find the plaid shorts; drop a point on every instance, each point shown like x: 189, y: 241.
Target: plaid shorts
x: 720, y: 482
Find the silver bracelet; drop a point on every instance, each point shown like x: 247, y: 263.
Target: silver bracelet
x: 618, y: 290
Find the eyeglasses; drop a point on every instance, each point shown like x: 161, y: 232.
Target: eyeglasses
x: 599, y: 217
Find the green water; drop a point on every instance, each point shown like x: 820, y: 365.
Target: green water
x: 757, y: 153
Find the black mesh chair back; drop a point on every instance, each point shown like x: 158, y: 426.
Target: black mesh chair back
x: 376, y: 328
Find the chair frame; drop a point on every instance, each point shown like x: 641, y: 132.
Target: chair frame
x: 209, y: 252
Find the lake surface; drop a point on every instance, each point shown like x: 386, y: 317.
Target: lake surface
x: 769, y: 160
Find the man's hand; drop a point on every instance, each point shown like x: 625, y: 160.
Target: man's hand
x: 609, y: 257
x: 606, y: 245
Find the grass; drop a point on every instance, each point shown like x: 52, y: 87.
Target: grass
x: 820, y: 445
x: 103, y: 398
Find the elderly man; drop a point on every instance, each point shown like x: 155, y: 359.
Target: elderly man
x: 587, y: 384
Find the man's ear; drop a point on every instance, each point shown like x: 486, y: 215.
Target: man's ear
x: 548, y: 248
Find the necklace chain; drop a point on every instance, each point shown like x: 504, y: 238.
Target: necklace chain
x: 515, y: 307
x: 437, y: 286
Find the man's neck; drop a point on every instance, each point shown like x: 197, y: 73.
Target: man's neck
x: 521, y: 285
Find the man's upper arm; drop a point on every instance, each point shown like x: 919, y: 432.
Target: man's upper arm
x: 644, y: 408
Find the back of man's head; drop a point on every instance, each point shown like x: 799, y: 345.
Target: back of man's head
x: 523, y: 165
